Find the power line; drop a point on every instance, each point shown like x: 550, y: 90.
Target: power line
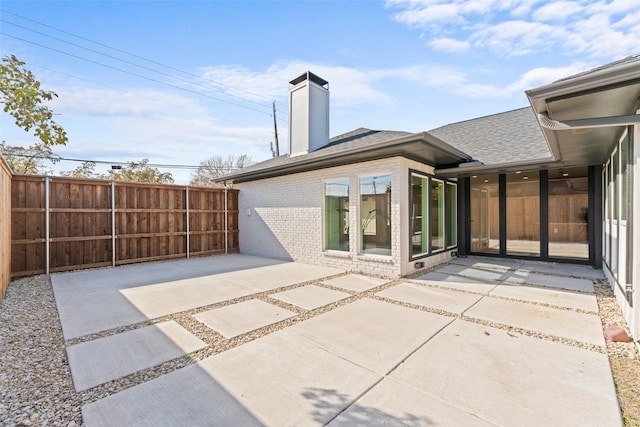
x: 134, y: 74
x: 107, y: 162
x: 132, y: 63
x: 133, y: 55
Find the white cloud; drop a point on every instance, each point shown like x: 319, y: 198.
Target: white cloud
x: 600, y: 38
x: 600, y: 29
x: 349, y: 86
x: 557, y: 11
x: 544, y: 75
x: 516, y: 37
x: 446, y: 44
x: 431, y: 14
x: 106, y: 102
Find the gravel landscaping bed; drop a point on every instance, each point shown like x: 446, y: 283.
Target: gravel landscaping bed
x: 35, y: 381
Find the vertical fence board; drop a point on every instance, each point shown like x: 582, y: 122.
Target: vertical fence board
x: 5, y: 226
x: 150, y: 223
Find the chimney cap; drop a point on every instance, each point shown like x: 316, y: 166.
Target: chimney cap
x: 311, y: 77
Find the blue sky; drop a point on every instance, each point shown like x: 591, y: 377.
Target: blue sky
x: 180, y: 81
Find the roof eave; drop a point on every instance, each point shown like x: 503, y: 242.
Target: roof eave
x: 581, y: 83
x: 498, y: 168
x: 384, y: 149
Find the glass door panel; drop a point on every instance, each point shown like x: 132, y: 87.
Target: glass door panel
x: 568, y: 213
x: 523, y: 213
x: 485, y: 219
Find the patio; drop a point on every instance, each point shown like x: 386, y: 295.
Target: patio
x: 252, y: 341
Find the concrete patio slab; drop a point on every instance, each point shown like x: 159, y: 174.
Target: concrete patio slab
x: 362, y: 363
x: 276, y: 276
x: 103, y: 299
x: 173, y: 297
x: 453, y: 281
x: 355, y: 282
x: 243, y: 317
x: 561, y: 298
x: 474, y: 273
x: 373, y: 334
x: 581, y: 327
x: 187, y: 396
x: 310, y: 297
x: 441, y: 299
x: 276, y: 380
x: 513, y: 380
x: 583, y: 271
x: 390, y: 403
x: 488, y: 263
x: 105, y: 359
x: 521, y: 277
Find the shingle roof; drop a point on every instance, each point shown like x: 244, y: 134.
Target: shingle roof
x: 500, y: 138
x: 504, y: 137
x: 347, y: 141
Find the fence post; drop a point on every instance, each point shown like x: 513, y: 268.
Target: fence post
x: 113, y: 223
x: 47, y: 237
x: 226, y: 222
x: 186, y: 189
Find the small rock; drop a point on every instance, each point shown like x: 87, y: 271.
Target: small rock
x: 616, y: 334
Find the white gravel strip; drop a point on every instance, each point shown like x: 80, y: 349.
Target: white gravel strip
x: 35, y: 382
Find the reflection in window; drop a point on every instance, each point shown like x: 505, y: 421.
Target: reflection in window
x: 485, y: 220
x: 433, y: 205
x: 523, y: 213
x: 419, y: 219
x: 336, y: 218
x: 568, y: 215
x: 451, y: 199
x: 375, y: 215
x: 437, y: 215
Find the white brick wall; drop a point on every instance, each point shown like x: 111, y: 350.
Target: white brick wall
x: 282, y: 217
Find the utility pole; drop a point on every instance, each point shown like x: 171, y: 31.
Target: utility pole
x: 275, y: 130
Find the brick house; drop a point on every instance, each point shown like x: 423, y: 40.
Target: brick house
x: 558, y: 181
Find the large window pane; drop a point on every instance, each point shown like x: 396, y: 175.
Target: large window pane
x: 437, y: 215
x: 451, y: 200
x: 568, y: 219
x: 375, y: 215
x: 624, y: 157
x: 613, y: 209
x: 485, y: 220
x: 336, y: 218
x: 419, y: 217
x: 523, y: 213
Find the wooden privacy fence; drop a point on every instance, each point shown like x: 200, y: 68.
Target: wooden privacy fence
x: 5, y: 226
x: 61, y: 224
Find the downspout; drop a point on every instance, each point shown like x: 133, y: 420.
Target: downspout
x: 113, y: 223
x: 47, y: 226
x: 186, y: 191
x: 226, y: 221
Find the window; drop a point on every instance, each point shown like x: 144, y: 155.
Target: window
x: 419, y: 217
x: 433, y: 215
x: 451, y: 208
x: 437, y: 215
x: 568, y: 208
x: 375, y: 215
x: 485, y: 217
x: 523, y: 213
x: 336, y: 214
x: 624, y: 158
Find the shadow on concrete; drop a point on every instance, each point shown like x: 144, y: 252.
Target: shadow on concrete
x: 332, y: 406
